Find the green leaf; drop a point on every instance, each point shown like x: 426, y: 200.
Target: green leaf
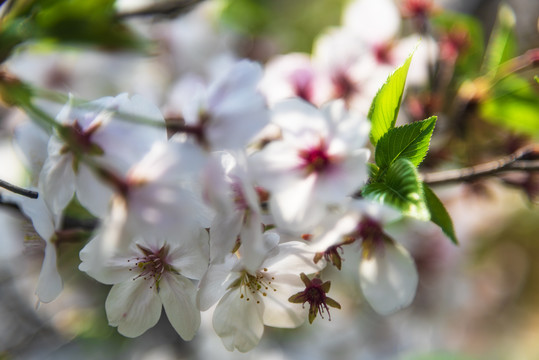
x: 438, y: 214
x: 514, y: 104
x: 409, y: 141
x: 536, y: 78
x: 385, y: 106
x: 401, y: 189
x: 502, y: 43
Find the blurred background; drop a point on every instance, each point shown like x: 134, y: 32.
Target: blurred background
x: 477, y: 300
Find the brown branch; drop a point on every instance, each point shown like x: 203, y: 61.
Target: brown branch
x: 524, y: 159
x: 170, y: 8
x: 18, y: 190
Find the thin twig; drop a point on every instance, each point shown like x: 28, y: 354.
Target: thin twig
x: 18, y: 190
x: 171, y: 8
x: 524, y: 159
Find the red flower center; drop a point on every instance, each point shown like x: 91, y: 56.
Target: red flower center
x: 315, y: 159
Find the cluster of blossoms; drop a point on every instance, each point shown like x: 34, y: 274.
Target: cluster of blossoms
x: 237, y: 203
x: 246, y: 213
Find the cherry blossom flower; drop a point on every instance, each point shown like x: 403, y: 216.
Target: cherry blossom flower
x: 229, y: 112
x: 295, y: 75
x: 355, y: 73
x: 317, y: 163
x: 93, y: 132
x: 387, y: 273
x: 248, y: 300
x: 384, y: 50
x: 151, y: 274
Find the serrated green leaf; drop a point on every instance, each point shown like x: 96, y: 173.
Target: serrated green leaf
x: 385, y: 106
x: 409, y: 141
x: 514, y: 104
x: 438, y: 214
x: 401, y: 189
x: 502, y: 43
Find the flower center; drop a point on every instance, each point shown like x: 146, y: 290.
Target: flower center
x: 250, y: 285
x: 151, y: 265
x: 315, y: 159
x: 79, y: 140
x: 344, y: 87
x: 302, y: 82
x: 372, y: 235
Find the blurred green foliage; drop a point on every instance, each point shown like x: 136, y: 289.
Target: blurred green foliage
x: 292, y: 24
x: 76, y: 22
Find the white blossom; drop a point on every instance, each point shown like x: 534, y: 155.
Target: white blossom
x: 94, y: 136
x: 319, y: 161
x: 151, y: 274
x: 248, y: 300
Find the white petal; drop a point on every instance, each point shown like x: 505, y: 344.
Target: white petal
x: 57, y: 179
x: 92, y: 193
x: 278, y: 311
x: 32, y: 141
x: 294, y: 257
x: 383, y: 213
x: 178, y: 295
x: 388, y: 279
x: 295, y: 115
x: 363, y: 18
x: 277, y: 165
x: 253, y: 247
x: 237, y: 110
x: 238, y: 321
x: 346, y: 177
x: 224, y: 231
x: 49, y: 284
x: 190, y: 256
x: 133, y: 307
x: 295, y: 209
x: 38, y: 212
x: 215, y: 282
x: 111, y: 269
x: 345, y: 225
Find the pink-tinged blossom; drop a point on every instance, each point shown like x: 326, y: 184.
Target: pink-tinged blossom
x: 229, y: 112
x: 99, y: 133
x: 355, y: 73
x: 150, y: 275
x: 317, y: 163
x: 248, y: 300
x: 295, y: 75
x: 384, y: 49
x: 387, y: 273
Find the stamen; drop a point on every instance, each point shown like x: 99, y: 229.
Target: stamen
x: 255, y: 284
x: 152, y: 265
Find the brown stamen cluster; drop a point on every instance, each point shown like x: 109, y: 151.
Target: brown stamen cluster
x: 315, y: 294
